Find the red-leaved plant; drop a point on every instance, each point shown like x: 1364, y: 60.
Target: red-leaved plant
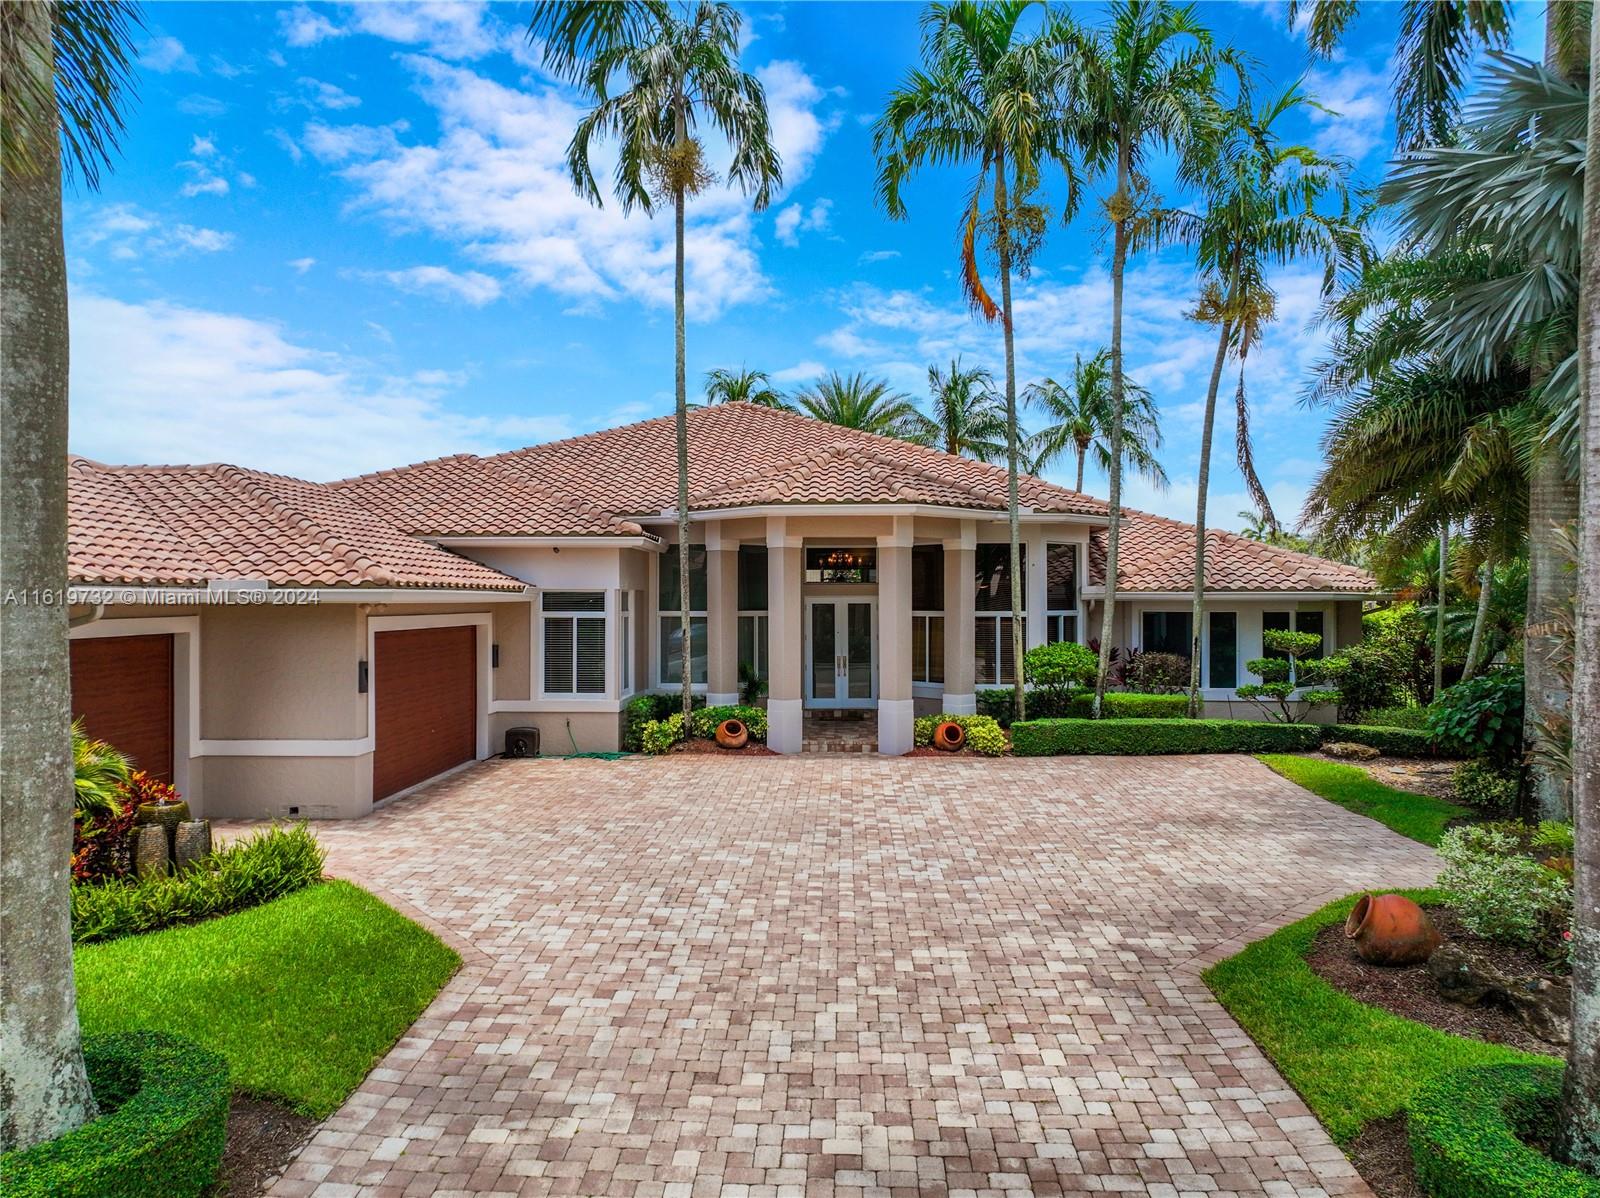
x: 102, y: 844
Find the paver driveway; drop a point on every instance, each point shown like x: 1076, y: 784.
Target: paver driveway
x: 843, y: 976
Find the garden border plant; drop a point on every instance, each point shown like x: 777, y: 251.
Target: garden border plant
x: 984, y: 734
x: 659, y: 736
x: 164, y: 1104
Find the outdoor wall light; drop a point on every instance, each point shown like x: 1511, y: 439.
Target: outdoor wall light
x: 494, y: 657
x: 361, y: 677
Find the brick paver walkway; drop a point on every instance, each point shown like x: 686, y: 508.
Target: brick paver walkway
x: 843, y: 976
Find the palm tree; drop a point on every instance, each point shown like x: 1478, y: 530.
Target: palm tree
x: 681, y: 67
x: 743, y: 386
x: 1143, y: 83
x: 1261, y: 211
x: 1080, y: 421
x: 967, y: 417
x: 859, y: 402
x: 1437, y: 41
x: 68, y: 76
x: 987, y: 94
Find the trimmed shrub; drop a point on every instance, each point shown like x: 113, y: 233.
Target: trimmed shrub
x: 704, y: 724
x: 983, y: 732
x: 1127, y: 705
x: 1397, y: 742
x: 1467, y: 1130
x: 658, y: 736
x: 1136, y: 737
x: 642, y: 709
x: 1156, y: 673
x: 1487, y: 786
x: 1059, y: 669
x: 167, y: 1104
x: 1398, y: 716
x: 246, y: 873
x: 1498, y: 890
x: 1482, y: 717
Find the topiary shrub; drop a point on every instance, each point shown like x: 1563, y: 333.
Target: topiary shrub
x: 1132, y: 737
x: 1057, y: 670
x: 1397, y: 742
x: 164, y: 1104
x: 1482, y: 717
x: 246, y: 873
x: 1467, y: 1130
x: 704, y: 724
x: 984, y: 734
x: 1293, y: 682
x: 1487, y: 786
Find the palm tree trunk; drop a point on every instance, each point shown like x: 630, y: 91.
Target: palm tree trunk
x: 1480, y: 620
x: 1078, y: 486
x: 1438, y: 613
x: 1013, y: 517
x: 1580, y: 1106
x: 685, y: 626
x: 1119, y: 262
x: 44, y: 1090
x: 1203, y: 484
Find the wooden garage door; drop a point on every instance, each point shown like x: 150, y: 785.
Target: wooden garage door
x: 122, y: 689
x: 426, y: 700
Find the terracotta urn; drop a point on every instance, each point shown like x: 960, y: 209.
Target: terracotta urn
x: 1390, y: 929
x: 732, y: 734
x: 950, y: 737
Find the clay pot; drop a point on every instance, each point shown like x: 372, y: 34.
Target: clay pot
x: 732, y: 734
x: 1390, y: 929
x: 949, y: 737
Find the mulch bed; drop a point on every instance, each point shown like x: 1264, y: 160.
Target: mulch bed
x: 262, y: 1138
x: 1382, y: 1155
x: 1420, y: 775
x: 751, y: 749
x: 1408, y: 991
x: 930, y: 751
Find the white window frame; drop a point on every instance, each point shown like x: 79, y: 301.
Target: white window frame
x: 625, y: 641
x: 922, y: 629
x: 761, y: 639
x: 994, y: 633
x: 603, y: 616
x: 658, y: 676
x: 1075, y: 614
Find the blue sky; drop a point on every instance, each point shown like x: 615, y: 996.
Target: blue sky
x: 341, y: 237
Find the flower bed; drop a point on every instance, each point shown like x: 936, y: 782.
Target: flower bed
x: 984, y: 735
x: 660, y: 736
x: 166, y: 1104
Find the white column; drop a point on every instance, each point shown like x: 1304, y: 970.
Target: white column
x: 722, y: 618
x: 785, y: 569
x: 1035, y: 587
x: 960, y: 599
x: 895, y: 705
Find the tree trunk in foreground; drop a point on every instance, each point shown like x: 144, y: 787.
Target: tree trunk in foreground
x: 44, y: 1091
x: 685, y: 626
x: 1119, y: 260
x: 1204, y: 485
x: 1580, y: 1108
x: 1438, y: 613
x: 1013, y: 519
x: 1480, y: 619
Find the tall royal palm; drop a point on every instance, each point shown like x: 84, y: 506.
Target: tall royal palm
x: 1141, y: 83
x: 1261, y: 210
x: 743, y: 386
x: 680, y: 67
x: 67, y: 71
x: 986, y: 95
x: 861, y: 402
x: 1079, y: 421
x: 967, y: 418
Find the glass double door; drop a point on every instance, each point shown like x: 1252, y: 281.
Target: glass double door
x: 841, y: 665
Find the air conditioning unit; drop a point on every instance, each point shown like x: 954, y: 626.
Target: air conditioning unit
x: 522, y: 742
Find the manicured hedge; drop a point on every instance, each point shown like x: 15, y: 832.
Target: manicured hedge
x: 1399, y: 742
x: 1048, y: 738
x: 263, y: 866
x: 168, y: 1116
x: 1043, y: 705
x: 1464, y: 1129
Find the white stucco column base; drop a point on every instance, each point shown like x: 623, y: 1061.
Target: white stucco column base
x: 784, y: 725
x: 721, y: 700
x: 895, y: 731
x: 959, y: 704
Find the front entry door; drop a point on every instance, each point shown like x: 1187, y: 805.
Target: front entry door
x: 841, y: 666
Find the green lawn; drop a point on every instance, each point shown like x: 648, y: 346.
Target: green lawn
x: 1420, y: 817
x: 1351, y: 1063
x: 302, y: 995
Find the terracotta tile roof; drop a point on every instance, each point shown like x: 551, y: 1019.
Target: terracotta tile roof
x: 1157, y: 554
x: 187, y: 525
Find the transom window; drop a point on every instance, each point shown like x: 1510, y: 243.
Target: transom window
x: 841, y: 564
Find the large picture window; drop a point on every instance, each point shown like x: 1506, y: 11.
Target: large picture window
x: 1224, y: 667
x: 1167, y: 632
x: 994, y: 660
x: 670, y: 665
x: 927, y: 613
x: 574, y: 642
x: 1061, y: 593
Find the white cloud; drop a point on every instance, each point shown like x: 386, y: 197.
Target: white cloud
x: 166, y: 54
x: 198, y: 105
x: 452, y: 29
x: 495, y: 182
x: 127, y: 233
x: 872, y: 256
x: 319, y: 94
x: 800, y: 372
x: 796, y: 218
x: 472, y: 287
x: 301, y: 265
x: 204, y: 184
x: 290, y: 146
x: 162, y: 382
x: 202, y: 147
x: 302, y: 27
x: 206, y: 241
x: 1357, y: 97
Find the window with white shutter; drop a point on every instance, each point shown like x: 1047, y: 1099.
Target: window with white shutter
x: 574, y: 642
